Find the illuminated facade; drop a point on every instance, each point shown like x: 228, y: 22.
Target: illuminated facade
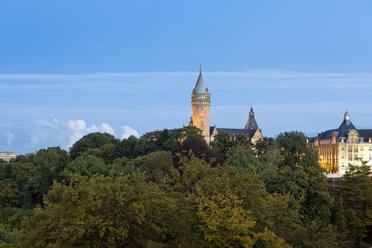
x: 200, y: 104
x: 7, y: 156
x: 337, y: 148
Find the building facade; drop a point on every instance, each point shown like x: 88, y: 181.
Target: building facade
x: 200, y: 105
x: 7, y: 156
x: 337, y: 148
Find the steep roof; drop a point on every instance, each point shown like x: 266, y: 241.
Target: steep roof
x: 365, y: 133
x: 251, y: 123
x: 345, y: 127
x: 327, y: 134
x: 200, y: 86
x: 341, y: 131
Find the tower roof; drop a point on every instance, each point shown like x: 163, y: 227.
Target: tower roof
x: 346, y: 125
x: 251, y: 123
x: 200, y: 86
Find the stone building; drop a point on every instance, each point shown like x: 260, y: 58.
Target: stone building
x: 200, y: 104
x: 7, y: 156
x: 337, y: 148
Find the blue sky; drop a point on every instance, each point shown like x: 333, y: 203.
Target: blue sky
x: 127, y: 67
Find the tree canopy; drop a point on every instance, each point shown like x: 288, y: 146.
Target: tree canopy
x: 170, y: 189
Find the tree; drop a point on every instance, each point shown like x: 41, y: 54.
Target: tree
x: 197, y: 147
x: 222, y: 144
x: 156, y: 165
x: 85, y: 165
x: 293, y: 147
x: 101, y: 211
x: 152, y: 142
x: 91, y: 141
x: 264, y: 145
x: 225, y: 223
x: 354, y: 194
x: 180, y: 135
x: 127, y: 148
x: 222, y: 187
x: 242, y: 156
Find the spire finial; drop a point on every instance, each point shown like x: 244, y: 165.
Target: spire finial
x: 347, y: 116
x: 251, y: 111
x: 200, y: 71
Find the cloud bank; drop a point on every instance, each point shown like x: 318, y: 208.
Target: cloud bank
x: 128, y: 131
x: 42, y: 134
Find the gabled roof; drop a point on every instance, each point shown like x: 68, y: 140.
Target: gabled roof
x: 235, y: 131
x: 200, y: 86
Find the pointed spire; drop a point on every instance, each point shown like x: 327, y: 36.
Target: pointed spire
x: 200, y: 86
x: 251, y: 123
x: 251, y: 111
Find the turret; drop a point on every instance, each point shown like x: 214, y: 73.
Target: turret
x: 200, y: 103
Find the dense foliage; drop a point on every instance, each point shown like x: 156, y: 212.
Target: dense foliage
x: 170, y: 189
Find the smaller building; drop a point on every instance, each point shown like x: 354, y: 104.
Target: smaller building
x: 251, y: 130
x: 7, y: 156
x: 337, y: 148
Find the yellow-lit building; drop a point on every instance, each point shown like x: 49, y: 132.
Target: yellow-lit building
x: 7, y: 156
x: 337, y: 148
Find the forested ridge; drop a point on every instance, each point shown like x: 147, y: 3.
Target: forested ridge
x: 170, y: 189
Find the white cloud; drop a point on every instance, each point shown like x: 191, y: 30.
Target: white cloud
x: 10, y: 138
x: 107, y: 129
x: 128, y: 131
x: 79, y: 128
x: 43, y: 134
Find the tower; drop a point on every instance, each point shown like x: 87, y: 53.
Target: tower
x: 200, y: 104
x: 251, y: 123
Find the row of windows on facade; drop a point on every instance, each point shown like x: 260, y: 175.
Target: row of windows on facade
x: 354, y: 140
x: 350, y: 158
x: 349, y: 155
x: 200, y: 97
x: 349, y: 149
x: 356, y: 148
